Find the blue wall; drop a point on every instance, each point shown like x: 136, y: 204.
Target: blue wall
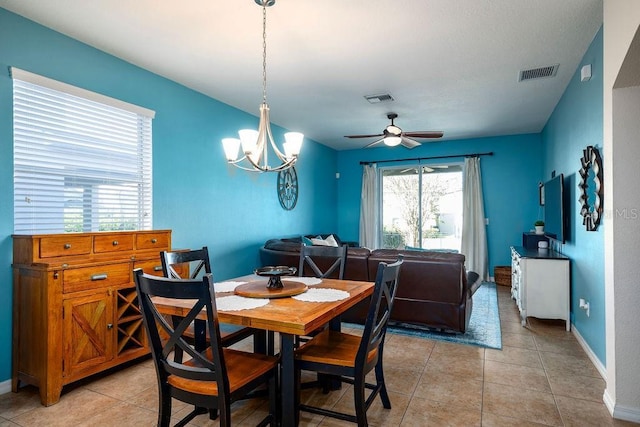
x: 196, y: 194
x: 576, y: 123
x: 509, y: 182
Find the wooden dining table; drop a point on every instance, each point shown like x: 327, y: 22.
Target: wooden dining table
x: 290, y: 318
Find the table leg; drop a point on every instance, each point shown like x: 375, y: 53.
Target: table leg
x: 331, y: 383
x: 287, y: 381
x: 260, y: 342
x: 335, y: 324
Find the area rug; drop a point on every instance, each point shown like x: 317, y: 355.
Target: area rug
x: 484, y: 325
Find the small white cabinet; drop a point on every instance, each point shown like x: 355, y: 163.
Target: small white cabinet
x: 540, y: 284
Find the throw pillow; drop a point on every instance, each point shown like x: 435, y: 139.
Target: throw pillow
x: 319, y: 241
x: 331, y: 241
x: 306, y: 241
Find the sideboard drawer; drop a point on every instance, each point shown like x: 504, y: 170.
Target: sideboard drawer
x: 112, y: 243
x: 158, y: 241
x: 150, y: 266
x: 56, y: 246
x: 78, y: 279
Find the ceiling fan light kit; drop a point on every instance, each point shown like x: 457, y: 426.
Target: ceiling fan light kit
x: 255, y: 143
x: 392, y: 141
x: 392, y: 135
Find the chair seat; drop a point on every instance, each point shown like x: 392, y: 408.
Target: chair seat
x: 242, y: 368
x: 333, y: 348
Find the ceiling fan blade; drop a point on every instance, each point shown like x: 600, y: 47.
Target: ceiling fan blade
x: 374, y: 143
x: 432, y: 134
x: 363, y: 136
x: 409, y: 143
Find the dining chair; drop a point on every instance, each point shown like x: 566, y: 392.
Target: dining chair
x: 192, y: 264
x: 349, y: 358
x: 330, y: 259
x: 212, y: 378
x: 321, y: 262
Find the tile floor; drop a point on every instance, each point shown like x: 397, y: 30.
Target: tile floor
x: 540, y: 377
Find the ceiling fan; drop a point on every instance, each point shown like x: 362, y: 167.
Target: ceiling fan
x: 425, y: 169
x: 392, y: 135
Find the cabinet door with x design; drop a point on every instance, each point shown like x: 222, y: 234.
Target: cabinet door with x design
x: 87, y: 331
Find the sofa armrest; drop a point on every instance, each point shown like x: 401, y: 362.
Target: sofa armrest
x: 473, y: 282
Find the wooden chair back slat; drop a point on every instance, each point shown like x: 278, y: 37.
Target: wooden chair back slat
x: 310, y: 254
x: 197, y: 261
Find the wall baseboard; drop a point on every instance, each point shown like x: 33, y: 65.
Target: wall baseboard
x: 5, y: 387
x: 590, y: 354
x: 618, y: 412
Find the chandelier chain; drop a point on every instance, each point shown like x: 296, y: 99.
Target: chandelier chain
x: 264, y: 52
x: 255, y: 144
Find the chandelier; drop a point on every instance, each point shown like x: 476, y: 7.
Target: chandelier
x: 255, y: 144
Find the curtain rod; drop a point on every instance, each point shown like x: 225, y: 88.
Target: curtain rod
x: 490, y: 153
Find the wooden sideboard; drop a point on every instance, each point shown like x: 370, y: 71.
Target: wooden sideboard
x: 75, y: 310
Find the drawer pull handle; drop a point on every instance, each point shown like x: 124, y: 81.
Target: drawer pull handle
x: 101, y: 276
x: 115, y: 243
x: 157, y: 268
x: 154, y: 241
x: 67, y: 245
x: 109, y: 325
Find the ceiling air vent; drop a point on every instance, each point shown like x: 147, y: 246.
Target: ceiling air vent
x: 376, y: 99
x: 538, y: 73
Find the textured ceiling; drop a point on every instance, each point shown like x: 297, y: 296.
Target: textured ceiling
x: 451, y: 65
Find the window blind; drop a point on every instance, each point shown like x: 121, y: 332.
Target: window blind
x: 82, y: 161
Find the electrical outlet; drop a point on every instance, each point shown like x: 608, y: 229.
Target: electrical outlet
x: 585, y: 306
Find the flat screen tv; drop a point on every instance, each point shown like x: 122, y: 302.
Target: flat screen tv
x: 554, y: 223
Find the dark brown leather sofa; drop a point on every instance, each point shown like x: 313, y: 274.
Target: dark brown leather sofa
x: 434, y: 289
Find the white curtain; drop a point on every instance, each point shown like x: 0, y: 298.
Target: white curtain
x: 369, y: 211
x: 474, y: 237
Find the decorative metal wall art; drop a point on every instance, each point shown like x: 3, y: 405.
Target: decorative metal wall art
x: 591, y: 189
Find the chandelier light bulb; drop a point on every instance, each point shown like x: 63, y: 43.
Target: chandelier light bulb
x: 293, y: 144
x: 249, y: 140
x: 231, y: 147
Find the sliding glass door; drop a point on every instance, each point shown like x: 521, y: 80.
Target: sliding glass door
x: 421, y: 207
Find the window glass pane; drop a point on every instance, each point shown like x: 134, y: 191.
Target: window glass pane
x: 422, y: 207
x: 79, y: 165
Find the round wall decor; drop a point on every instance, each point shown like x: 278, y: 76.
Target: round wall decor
x: 591, y: 188
x: 288, y: 188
